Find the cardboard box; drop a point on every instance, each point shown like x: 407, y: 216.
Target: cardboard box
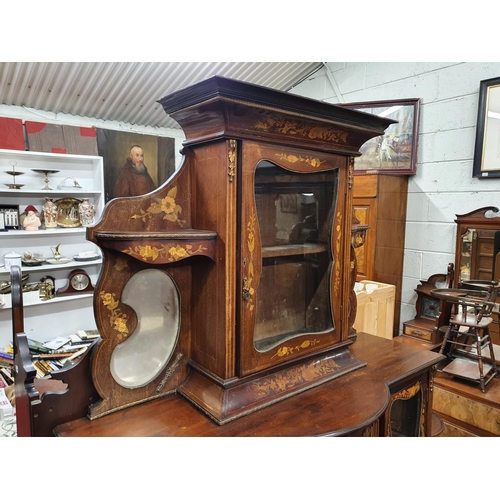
x: 6, y: 409
x: 375, y: 312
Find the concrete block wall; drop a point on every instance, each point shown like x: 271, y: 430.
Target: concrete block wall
x: 443, y: 185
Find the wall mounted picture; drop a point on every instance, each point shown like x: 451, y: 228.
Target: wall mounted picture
x: 395, y: 152
x: 134, y: 164
x: 487, y: 147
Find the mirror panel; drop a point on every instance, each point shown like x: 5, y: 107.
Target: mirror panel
x: 478, y: 246
x: 155, y: 299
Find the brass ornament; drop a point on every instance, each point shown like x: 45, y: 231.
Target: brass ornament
x: 232, y: 160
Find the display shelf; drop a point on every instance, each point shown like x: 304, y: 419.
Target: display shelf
x: 55, y: 193
x: 50, y: 267
x: 32, y: 299
x: 41, y: 232
x: 51, y: 317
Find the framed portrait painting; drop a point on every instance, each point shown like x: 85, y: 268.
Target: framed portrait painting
x: 157, y: 158
x: 395, y: 152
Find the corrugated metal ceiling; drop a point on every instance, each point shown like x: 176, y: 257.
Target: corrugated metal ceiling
x: 127, y: 91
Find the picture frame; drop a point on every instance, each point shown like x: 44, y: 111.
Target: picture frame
x: 10, y: 216
x: 395, y: 152
x: 114, y: 146
x: 487, y: 145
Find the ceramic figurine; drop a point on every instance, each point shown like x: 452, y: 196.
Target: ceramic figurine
x: 31, y: 221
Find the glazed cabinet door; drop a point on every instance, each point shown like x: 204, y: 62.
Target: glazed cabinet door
x: 293, y: 254
x: 409, y: 411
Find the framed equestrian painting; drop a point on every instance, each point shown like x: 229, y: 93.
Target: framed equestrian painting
x: 395, y: 152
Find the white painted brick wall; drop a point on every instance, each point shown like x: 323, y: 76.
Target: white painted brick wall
x: 443, y: 185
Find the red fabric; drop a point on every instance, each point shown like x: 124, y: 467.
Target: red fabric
x: 87, y: 132
x: 11, y: 134
x: 58, y: 150
x: 34, y: 127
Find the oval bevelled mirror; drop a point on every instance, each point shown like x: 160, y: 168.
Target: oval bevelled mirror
x: 155, y: 299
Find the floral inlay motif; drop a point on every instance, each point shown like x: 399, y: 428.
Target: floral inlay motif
x: 285, y: 351
x: 121, y: 263
x: 284, y: 381
x: 338, y: 228
x: 314, y: 162
x: 117, y: 319
x: 166, y: 206
x: 290, y: 127
x: 409, y: 392
x: 172, y: 252
x: 248, y: 288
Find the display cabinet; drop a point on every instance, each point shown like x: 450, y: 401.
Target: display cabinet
x: 60, y: 315
x: 477, y: 254
x: 243, y: 258
x: 431, y: 314
x: 380, y: 201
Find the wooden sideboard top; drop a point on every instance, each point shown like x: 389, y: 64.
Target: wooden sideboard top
x: 340, y: 406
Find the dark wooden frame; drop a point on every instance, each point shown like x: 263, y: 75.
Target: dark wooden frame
x: 479, y: 169
x: 365, y: 163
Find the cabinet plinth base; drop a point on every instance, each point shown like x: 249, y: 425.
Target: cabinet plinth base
x: 224, y: 401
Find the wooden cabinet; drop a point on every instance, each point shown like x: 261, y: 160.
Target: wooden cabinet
x: 464, y: 409
x: 254, y: 235
x: 477, y: 256
x: 390, y: 396
x: 432, y: 314
x: 61, y: 315
x: 380, y: 201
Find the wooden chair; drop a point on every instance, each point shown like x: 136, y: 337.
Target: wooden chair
x: 466, y: 337
x: 42, y: 404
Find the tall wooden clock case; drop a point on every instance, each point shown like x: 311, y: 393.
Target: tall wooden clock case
x: 233, y: 282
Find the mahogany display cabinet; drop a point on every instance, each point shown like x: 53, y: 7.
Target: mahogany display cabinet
x: 232, y: 284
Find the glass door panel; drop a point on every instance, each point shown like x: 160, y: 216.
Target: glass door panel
x: 295, y: 213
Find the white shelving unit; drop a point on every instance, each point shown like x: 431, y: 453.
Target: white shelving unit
x: 61, y: 315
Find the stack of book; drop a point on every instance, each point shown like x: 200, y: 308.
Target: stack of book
x: 6, y: 368
x: 60, y: 352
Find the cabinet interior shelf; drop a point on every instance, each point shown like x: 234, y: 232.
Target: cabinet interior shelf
x: 289, y: 250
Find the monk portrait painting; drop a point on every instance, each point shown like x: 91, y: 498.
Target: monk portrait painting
x: 134, y: 164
